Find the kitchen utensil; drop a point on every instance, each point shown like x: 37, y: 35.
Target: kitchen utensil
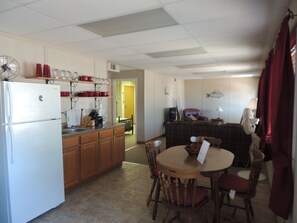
x: 81, y: 116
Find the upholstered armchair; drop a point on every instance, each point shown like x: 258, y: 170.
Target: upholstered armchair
x: 193, y: 114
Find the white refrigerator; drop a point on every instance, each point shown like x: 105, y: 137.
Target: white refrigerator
x: 31, y: 161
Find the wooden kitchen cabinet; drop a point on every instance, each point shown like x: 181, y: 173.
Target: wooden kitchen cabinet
x: 88, y: 155
x: 71, y: 162
x: 118, y: 145
x: 105, y: 146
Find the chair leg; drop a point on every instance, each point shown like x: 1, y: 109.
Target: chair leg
x: 204, y: 217
x: 190, y: 218
x: 221, y: 200
x: 247, y: 210
x: 212, y: 189
x: 251, y: 208
x: 151, y: 193
x: 165, y: 215
x: 157, y: 194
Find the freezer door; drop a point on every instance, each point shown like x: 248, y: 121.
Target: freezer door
x: 27, y: 102
x: 35, y: 169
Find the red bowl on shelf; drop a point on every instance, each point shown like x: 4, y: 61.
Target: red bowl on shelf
x: 91, y: 93
x: 91, y: 78
x: 83, y: 78
x: 64, y: 93
x: 83, y: 94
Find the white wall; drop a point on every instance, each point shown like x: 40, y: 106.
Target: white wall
x: 28, y: 53
x: 237, y: 93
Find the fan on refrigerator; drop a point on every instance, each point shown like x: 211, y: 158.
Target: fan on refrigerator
x: 9, y: 68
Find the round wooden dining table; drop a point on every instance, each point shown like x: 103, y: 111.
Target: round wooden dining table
x: 216, y: 161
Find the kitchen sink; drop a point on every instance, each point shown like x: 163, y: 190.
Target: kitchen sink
x: 72, y: 130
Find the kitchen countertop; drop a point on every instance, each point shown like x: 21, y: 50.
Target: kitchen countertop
x: 91, y: 129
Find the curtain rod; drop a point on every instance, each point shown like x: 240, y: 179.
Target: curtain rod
x: 291, y: 14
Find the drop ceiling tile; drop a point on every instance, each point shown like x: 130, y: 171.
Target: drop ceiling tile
x: 252, y: 24
x: 20, y: 21
x: 75, y: 12
x: 242, y: 67
x: 229, y: 39
x: 25, y: 1
x: 110, y: 53
x: 234, y: 47
x: 150, y: 36
x: 187, y: 59
x: 131, y: 57
x: 165, y: 46
x: 62, y: 35
x: 90, y: 45
x: 169, y: 1
x: 177, y: 53
x: 237, y: 55
x: 6, y: 4
x: 204, y: 10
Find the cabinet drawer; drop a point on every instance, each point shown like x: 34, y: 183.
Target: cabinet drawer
x: 89, y: 137
x: 105, y: 133
x: 69, y: 142
x: 119, y: 130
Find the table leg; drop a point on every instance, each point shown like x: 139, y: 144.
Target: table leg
x: 217, y: 217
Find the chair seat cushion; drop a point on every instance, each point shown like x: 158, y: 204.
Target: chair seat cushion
x: 200, y: 194
x: 233, y: 182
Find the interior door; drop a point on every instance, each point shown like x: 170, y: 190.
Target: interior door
x: 129, y: 101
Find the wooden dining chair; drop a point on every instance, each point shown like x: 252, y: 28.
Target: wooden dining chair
x: 152, y: 149
x: 181, y: 193
x: 244, y: 188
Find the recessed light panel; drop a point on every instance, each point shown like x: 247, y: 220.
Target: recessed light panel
x: 152, y: 19
x: 186, y: 66
x: 175, y: 53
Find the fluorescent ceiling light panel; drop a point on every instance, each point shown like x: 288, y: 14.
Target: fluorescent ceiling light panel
x: 185, y: 66
x: 243, y: 75
x: 152, y: 19
x: 174, y: 53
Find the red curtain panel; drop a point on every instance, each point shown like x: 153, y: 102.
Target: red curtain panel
x: 275, y: 110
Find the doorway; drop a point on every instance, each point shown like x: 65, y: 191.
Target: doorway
x: 125, y: 92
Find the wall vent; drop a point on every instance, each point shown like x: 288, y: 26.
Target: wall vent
x: 113, y: 67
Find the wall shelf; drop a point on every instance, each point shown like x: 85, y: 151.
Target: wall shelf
x: 73, y: 84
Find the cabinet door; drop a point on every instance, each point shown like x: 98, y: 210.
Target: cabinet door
x: 105, y: 154
x: 71, y: 161
x: 88, y: 160
x: 119, y: 145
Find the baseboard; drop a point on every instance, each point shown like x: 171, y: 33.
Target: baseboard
x: 143, y: 142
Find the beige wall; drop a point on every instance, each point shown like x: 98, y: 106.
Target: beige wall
x: 237, y: 93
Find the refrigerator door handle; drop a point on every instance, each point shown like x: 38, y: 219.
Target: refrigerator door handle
x: 8, y: 105
x: 10, y: 138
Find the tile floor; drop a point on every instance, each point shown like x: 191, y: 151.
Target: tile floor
x: 119, y: 196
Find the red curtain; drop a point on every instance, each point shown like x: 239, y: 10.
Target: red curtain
x: 276, y: 99
x: 264, y: 128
